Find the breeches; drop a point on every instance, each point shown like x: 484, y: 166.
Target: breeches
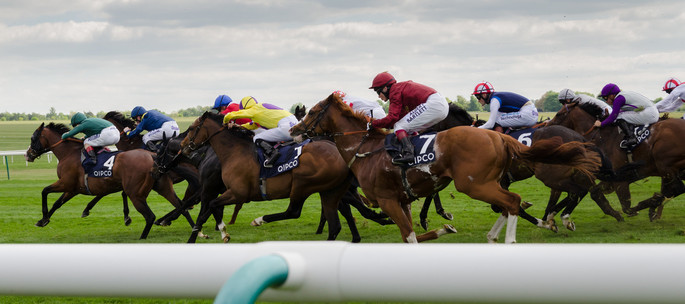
x: 168, y: 129
x: 279, y: 133
x: 526, y: 117
x: 434, y: 110
x: 108, y: 136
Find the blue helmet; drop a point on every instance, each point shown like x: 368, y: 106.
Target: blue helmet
x: 222, y: 101
x: 138, y: 111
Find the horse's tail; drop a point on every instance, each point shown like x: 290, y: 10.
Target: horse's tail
x: 554, y: 151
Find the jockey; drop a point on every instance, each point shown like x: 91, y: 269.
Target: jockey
x: 275, y: 120
x: 413, y: 107
x: 567, y: 96
x: 506, y: 109
x: 99, y: 133
x: 627, y: 108
x: 358, y: 104
x: 675, y: 98
x: 157, y: 124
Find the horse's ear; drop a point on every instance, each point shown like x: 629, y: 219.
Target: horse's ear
x: 42, y: 125
x: 164, y: 136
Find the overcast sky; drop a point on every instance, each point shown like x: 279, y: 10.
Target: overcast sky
x: 102, y: 55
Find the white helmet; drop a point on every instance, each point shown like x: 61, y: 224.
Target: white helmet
x: 566, y: 94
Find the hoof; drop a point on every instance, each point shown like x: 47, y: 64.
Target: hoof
x: 553, y: 226
x: 449, y: 228
x: 525, y: 205
x: 227, y: 238
x: 42, y: 223
x: 492, y: 240
x: 85, y: 214
x: 424, y: 224
x: 448, y: 216
x: 571, y: 226
x: 258, y: 221
x: 356, y: 240
x: 630, y: 212
x: 202, y: 235
x: 127, y: 221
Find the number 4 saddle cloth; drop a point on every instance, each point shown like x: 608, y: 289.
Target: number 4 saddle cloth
x: 104, y: 165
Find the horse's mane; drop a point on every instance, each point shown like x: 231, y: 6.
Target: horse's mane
x: 239, y: 132
x: 121, y: 119
x: 592, y: 109
x: 58, y: 127
x: 347, y: 111
x: 454, y: 109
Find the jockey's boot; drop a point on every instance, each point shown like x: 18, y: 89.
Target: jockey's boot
x: 628, y: 134
x: 270, y: 153
x: 151, y: 146
x: 91, y: 153
x: 407, y: 153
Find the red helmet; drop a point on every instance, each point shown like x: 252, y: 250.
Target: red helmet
x: 671, y: 84
x: 483, y: 87
x: 381, y: 80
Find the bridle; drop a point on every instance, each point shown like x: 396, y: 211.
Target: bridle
x: 192, y: 146
x: 36, y: 148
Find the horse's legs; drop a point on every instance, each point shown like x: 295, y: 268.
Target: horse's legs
x: 234, y: 216
x: 622, y: 190
x: 573, y: 201
x: 165, y: 188
x: 141, y: 205
x: 439, y: 209
x: 347, y: 214
x: 423, y: 215
x: 597, y: 195
x: 491, y: 192
x: 127, y: 218
x: 207, y: 209
x: 47, y: 214
x: 355, y: 200
x: 392, y: 208
x: 494, y: 232
x: 554, y: 195
x: 90, y: 205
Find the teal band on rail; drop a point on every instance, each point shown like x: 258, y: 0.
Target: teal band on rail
x: 248, y: 282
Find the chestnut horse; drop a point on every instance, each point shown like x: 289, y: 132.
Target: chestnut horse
x: 661, y: 154
x: 130, y: 173
x: 320, y: 169
x: 473, y: 159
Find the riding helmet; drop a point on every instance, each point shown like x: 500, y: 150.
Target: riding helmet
x: 138, y: 111
x: 222, y: 101
x: 609, y: 89
x: 671, y: 83
x: 566, y: 94
x: 247, y: 102
x: 483, y: 87
x: 381, y: 80
x: 77, y: 119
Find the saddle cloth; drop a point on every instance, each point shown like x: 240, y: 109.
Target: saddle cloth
x: 288, y: 160
x: 104, y: 165
x: 423, y: 147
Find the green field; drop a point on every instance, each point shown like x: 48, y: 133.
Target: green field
x: 20, y: 209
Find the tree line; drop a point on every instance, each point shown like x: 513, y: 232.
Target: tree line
x: 548, y: 102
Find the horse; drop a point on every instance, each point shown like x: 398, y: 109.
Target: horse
x: 558, y: 177
x: 456, y: 116
x: 136, y: 142
x: 660, y: 154
x: 473, y: 159
x: 320, y: 169
x: 130, y: 173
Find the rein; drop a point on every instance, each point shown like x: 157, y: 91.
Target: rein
x: 193, y: 146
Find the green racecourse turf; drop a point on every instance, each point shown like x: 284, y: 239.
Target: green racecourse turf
x: 20, y: 209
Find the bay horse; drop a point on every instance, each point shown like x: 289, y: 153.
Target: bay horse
x: 136, y: 142
x: 130, y: 173
x: 661, y: 154
x: 473, y: 159
x: 320, y: 169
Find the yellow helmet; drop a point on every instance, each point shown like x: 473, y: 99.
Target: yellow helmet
x: 247, y: 102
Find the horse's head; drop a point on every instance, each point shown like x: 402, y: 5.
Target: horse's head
x: 43, y: 139
x: 578, y: 117
x: 200, y: 131
x: 119, y: 120
x: 328, y: 117
x: 168, y: 153
x: 300, y: 112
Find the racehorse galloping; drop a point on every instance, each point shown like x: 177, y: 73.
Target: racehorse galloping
x: 473, y: 159
x: 320, y: 169
x: 661, y: 154
x: 130, y: 173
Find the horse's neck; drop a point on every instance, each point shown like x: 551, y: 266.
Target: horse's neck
x: 66, y: 149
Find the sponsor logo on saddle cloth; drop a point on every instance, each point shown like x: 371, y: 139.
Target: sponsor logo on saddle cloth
x: 641, y: 133
x: 524, y: 136
x: 288, y: 160
x: 104, y: 165
x: 424, y: 152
